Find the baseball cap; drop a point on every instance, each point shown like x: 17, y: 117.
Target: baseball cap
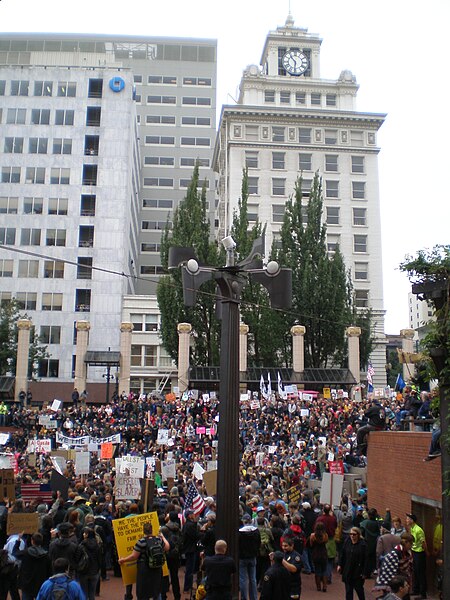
x: 306, y: 505
x: 246, y: 518
x: 412, y: 516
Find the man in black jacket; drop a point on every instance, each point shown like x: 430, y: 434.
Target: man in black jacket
x: 35, y: 567
x: 219, y: 570
x: 276, y: 580
x: 376, y: 421
x: 63, y: 547
x: 249, y: 544
x: 191, y: 536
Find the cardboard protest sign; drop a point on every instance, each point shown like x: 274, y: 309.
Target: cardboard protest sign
x: 336, y: 467
x: 7, y: 486
x: 147, y: 493
x: 22, y: 522
x: 59, y: 463
x: 198, y: 471
x: 126, y: 533
x: 210, y: 481
x: 331, y: 489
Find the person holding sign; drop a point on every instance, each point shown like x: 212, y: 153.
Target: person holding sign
x: 149, y: 552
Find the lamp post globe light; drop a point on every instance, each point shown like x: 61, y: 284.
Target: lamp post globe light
x: 231, y: 280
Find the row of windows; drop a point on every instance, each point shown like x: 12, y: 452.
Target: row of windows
x: 168, y: 140
x: 54, y: 206
x: 50, y: 301
x: 172, y: 80
x: 64, y: 89
x: 332, y: 216
x: 169, y: 161
x: 168, y: 182
x: 170, y: 120
x: 299, y: 98
x: 332, y: 188
x: 58, y: 175
x: 305, y: 161
x: 53, y: 237
x: 42, y: 116
x: 51, y: 269
x: 303, y: 135
x: 185, y: 100
x: 37, y: 145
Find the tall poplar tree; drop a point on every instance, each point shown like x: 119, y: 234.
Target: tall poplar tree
x: 190, y: 227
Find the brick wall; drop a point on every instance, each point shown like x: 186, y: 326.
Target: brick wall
x: 396, y: 470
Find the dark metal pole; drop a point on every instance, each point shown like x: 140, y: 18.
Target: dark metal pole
x: 108, y: 371
x: 228, y: 439
x: 444, y: 391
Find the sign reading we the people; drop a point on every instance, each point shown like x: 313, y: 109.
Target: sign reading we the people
x: 127, y: 532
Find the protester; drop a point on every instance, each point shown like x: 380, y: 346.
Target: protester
x: 61, y: 580
x: 219, y: 570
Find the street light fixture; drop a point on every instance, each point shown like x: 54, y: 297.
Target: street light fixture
x: 231, y: 280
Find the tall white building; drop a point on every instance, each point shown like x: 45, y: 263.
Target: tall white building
x: 289, y: 121
x: 420, y: 314
x: 69, y: 193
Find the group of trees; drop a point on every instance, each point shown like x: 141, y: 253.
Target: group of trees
x: 323, y: 298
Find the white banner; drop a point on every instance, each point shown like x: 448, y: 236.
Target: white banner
x: 70, y: 441
x: 114, y: 439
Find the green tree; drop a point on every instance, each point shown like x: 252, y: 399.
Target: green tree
x: 267, y: 332
x: 190, y: 228
x: 322, y: 292
x: 10, y: 313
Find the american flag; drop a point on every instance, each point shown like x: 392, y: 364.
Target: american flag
x: 370, y: 374
x: 36, y: 491
x: 194, y: 501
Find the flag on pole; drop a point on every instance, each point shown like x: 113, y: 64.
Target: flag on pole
x: 262, y: 387
x: 194, y: 501
x: 399, y: 384
x: 280, y: 385
x: 370, y: 374
x: 269, y: 386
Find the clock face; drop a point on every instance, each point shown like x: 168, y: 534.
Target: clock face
x: 295, y: 62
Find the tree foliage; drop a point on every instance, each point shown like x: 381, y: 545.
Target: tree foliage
x: 10, y: 313
x: 190, y: 228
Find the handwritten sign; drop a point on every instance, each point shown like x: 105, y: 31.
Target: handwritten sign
x: 39, y: 446
x: 82, y: 463
x: 22, y: 522
x: 133, y: 466
x: 127, y: 488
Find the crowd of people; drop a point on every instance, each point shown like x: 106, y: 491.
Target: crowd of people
x: 284, y: 442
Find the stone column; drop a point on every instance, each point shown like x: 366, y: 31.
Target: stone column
x: 83, y: 328
x: 126, y: 329
x: 184, y: 334
x: 243, y: 332
x: 353, y: 334
x: 407, y: 346
x: 23, y: 350
x: 298, y: 348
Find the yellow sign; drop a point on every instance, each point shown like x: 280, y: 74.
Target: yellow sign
x: 327, y: 393
x: 127, y: 532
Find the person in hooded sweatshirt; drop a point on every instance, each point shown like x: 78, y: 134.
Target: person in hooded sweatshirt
x: 63, y: 547
x: 61, y: 581
x: 35, y: 567
x: 249, y: 544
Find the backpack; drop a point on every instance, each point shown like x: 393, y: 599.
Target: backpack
x: 176, y: 543
x: 82, y: 559
x: 155, y: 553
x: 298, y: 538
x: 266, y: 546
x: 59, y: 590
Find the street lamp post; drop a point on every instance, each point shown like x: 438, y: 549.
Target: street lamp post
x: 231, y: 280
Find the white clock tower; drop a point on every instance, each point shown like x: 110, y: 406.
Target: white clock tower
x: 288, y: 121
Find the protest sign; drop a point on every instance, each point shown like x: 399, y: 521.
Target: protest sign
x: 198, y: 471
x: 133, y: 466
x: 331, y: 489
x: 294, y: 494
x: 163, y: 437
x: 4, y: 437
x: 210, y: 481
x: 168, y: 469
x: 336, y: 467
x: 56, y: 405
x: 127, y: 488
x: 40, y: 446
x: 59, y: 483
x: 82, y: 463
x: 59, y: 463
x: 107, y: 450
x: 22, y: 523
x: 7, y: 487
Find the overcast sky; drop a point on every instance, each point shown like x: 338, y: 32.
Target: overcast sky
x: 395, y: 48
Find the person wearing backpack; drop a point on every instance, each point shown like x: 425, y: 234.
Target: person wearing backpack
x: 88, y: 558
x: 60, y: 586
x: 149, y: 552
x: 35, y: 567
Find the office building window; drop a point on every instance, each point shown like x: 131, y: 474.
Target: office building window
x: 62, y: 146
x: 143, y: 356
x: 84, y: 267
x: 304, y: 135
x: 331, y: 136
x: 161, y: 161
x: 53, y: 269
x: 151, y: 270
x: 158, y: 182
x: 361, y: 298
x: 199, y: 121
x: 251, y: 159
x: 166, y: 80
x: 2, y: 87
x: 86, y: 236
x: 160, y: 139
x: 189, y: 161
x: 251, y: 132
x: 358, y: 190
x: 195, y: 141
x: 278, y: 160
x: 5, y: 298
x: 331, y: 100
x: 82, y: 300
x: 93, y: 116
x: 185, y: 183
x: 59, y: 176
x: 359, y: 216
x: 37, y: 145
x: 48, y: 367
x: 333, y: 242
x: 26, y: 300
x: 192, y: 100
x: 7, y: 236
x: 356, y: 137
x: 253, y: 185
x: 6, y: 267
x: 161, y: 99
x: 278, y: 134
x: 29, y: 268
x: 357, y: 164
x: 360, y: 243
x: 13, y: 145
x: 50, y: 334
x: 55, y: 237
x: 305, y: 162
x: 331, y: 188
x: 316, y: 99
x: 144, y: 322
x: 203, y: 81
x: 332, y: 215
x: 331, y: 162
x: 64, y: 117
x: 278, y: 211
x: 95, y: 88
x: 278, y: 187
x: 43, y: 88
x: 285, y: 97
x: 155, y: 203
x: 306, y: 187
x: 8, y: 206
x: 361, y: 270
x: 35, y: 175
x: 19, y: 88
x: 33, y: 206
x: 252, y: 212
x: 269, y: 96
x: 30, y: 237
x: 16, y: 116
x: 89, y: 176
x: 160, y: 120
x: 67, y: 89
x: 40, y: 116
x: 145, y: 247
x: 57, y: 206
x: 155, y: 225
x: 300, y: 98
x: 137, y: 78
x: 10, y: 174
